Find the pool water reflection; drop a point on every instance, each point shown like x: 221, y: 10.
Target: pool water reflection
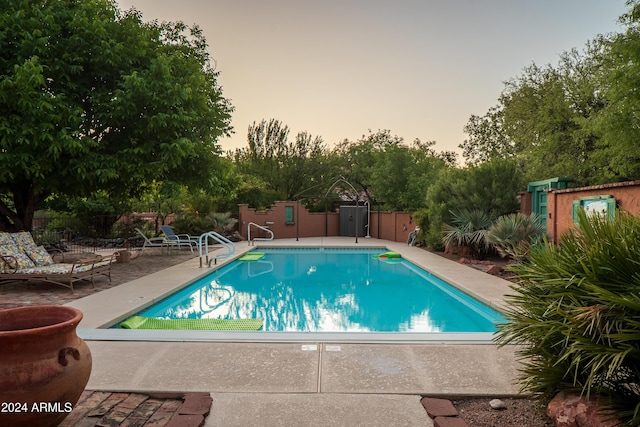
x: 330, y: 290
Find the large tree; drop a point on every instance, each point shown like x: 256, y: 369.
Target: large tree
x: 487, y: 139
x: 578, y: 118
x: 542, y: 121
x: 617, y: 124
x: 357, y: 160
x: 286, y: 167
x: 95, y: 98
x: 491, y: 187
x: 390, y: 171
x: 403, y: 173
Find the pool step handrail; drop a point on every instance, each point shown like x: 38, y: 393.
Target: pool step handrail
x: 203, y: 242
x: 261, y: 227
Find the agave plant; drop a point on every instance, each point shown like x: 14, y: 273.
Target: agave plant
x: 469, y: 228
x: 513, y: 234
x: 576, y: 314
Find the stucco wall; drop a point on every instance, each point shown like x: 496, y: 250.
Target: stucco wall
x: 560, y: 220
x: 305, y: 223
x: 560, y: 203
x: 394, y: 226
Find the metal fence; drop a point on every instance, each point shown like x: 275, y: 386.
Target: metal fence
x: 103, y: 233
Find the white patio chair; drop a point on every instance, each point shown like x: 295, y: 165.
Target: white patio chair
x: 154, y: 242
x: 179, y: 239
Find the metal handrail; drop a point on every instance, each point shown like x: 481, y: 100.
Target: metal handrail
x: 204, y: 238
x: 258, y: 238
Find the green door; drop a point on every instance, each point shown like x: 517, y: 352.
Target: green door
x: 542, y: 207
x: 539, y: 197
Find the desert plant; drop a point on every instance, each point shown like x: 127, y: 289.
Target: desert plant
x: 575, y: 314
x: 513, y: 234
x: 222, y: 223
x: 469, y: 227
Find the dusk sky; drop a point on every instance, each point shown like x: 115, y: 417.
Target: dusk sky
x: 419, y: 68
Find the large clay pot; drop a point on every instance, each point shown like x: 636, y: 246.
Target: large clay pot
x: 44, y: 365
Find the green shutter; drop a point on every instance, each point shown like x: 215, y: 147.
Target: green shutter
x: 611, y: 208
x: 575, y: 208
x: 288, y: 215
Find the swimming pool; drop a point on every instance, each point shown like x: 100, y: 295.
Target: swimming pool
x: 329, y: 290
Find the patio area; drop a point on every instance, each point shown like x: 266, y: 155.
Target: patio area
x: 298, y: 378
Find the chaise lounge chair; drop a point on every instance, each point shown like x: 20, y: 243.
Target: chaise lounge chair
x: 22, y: 259
x: 153, y: 242
x: 179, y: 239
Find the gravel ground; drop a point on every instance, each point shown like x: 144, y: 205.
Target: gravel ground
x: 519, y: 413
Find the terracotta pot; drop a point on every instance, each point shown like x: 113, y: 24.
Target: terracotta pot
x: 44, y: 365
x: 123, y: 257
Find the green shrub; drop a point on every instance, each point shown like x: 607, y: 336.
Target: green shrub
x: 469, y: 227
x: 191, y: 224
x: 513, y: 234
x: 421, y: 219
x: 195, y: 225
x: 126, y: 227
x: 432, y: 231
x: 576, y: 314
x: 63, y: 222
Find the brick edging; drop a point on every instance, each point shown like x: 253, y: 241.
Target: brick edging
x: 442, y: 412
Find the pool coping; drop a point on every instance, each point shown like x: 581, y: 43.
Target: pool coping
x: 106, y: 308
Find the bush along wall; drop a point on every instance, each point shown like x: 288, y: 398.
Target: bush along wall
x: 576, y: 315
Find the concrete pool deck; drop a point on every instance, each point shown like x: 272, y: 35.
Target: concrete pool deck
x: 293, y: 380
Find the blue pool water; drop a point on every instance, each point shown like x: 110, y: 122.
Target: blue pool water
x: 329, y: 290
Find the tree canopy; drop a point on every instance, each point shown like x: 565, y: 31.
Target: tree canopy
x: 95, y: 98
x: 288, y: 167
x: 379, y: 165
x: 616, y: 123
x: 541, y: 121
x: 388, y: 170
x: 577, y: 118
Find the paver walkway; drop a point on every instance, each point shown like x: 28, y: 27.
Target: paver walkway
x: 105, y: 409
x: 19, y: 294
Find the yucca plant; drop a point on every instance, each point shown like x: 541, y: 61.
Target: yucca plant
x: 222, y: 222
x: 513, y: 234
x: 469, y: 228
x: 575, y: 314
